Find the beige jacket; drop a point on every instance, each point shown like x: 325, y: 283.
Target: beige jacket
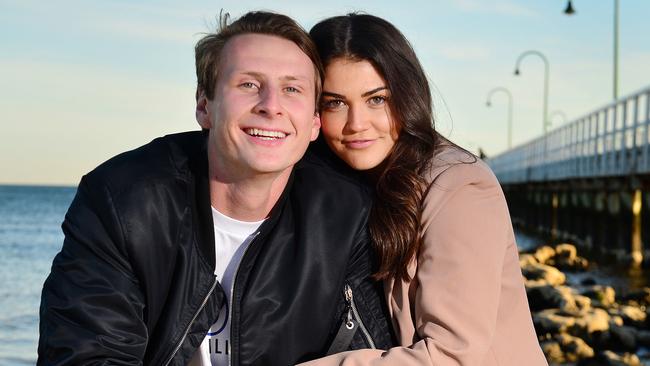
x: 466, y: 304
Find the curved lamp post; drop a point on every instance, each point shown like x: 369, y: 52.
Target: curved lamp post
x: 489, y: 103
x: 570, y: 11
x: 546, y: 70
x: 557, y: 113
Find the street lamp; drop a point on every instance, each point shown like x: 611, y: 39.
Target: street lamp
x: 489, y: 103
x: 569, y: 11
x: 546, y: 71
x: 557, y: 113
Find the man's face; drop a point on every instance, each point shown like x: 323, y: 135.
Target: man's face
x: 262, y: 117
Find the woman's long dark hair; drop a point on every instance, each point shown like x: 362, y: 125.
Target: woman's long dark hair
x: 395, y: 221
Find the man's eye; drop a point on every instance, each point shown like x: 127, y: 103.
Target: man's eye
x: 248, y: 85
x: 377, y: 100
x: 292, y: 89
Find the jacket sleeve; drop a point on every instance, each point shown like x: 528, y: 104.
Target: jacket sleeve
x: 91, y: 305
x: 466, y: 230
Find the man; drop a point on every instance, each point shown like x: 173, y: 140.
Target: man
x: 220, y: 247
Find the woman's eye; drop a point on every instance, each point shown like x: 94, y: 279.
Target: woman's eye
x: 332, y: 104
x: 377, y: 100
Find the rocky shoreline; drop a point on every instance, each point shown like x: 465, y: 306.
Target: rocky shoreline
x: 583, y: 324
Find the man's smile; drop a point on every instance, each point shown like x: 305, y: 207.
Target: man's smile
x: 265, y: 134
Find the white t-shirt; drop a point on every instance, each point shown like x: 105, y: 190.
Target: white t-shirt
x: 231, y: 238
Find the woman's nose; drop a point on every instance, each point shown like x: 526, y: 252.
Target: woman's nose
x: 358, y: 120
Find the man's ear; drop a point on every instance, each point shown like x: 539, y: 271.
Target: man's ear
x: 202, y: 112
x: 316, y: 127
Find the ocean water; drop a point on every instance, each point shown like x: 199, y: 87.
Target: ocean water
x: 30, y: 237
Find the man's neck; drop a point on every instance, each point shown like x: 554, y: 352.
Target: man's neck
x: 247, y: 199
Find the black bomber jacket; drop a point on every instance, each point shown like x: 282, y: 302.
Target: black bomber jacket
x: 134, y: 282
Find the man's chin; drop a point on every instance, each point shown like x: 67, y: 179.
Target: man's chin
x: 268, y: 164
x: 273, y: 170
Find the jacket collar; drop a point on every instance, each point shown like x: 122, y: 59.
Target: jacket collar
x: 201, y: 207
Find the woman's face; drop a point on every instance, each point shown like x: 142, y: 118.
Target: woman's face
x: 357, y: 122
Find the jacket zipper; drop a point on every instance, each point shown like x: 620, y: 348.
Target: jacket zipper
x: 187, y: 329
x: 352, y: 307
x: 232, y: 295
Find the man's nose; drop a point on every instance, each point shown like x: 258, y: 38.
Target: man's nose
x: 269, y: 104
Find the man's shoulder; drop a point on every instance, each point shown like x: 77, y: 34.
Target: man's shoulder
x: 321, y: 177
x: 164, y: 158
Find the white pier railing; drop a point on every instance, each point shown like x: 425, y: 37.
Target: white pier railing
x: 611, y: 141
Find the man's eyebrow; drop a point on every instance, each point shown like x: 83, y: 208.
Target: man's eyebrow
x: 373, y: 91
x: 259, y: 75
x: 295, y: 77
x: 251, y: 73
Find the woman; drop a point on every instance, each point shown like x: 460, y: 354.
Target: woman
x: 440, y: 223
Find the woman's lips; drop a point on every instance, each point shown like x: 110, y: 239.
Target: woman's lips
x: 358, y: 144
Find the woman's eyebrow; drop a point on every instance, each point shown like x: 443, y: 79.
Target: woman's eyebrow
x: 373, y: 91
x: 333, y: 95
x: 326, y: 93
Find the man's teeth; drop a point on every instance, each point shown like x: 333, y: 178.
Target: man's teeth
x: 266, y: 134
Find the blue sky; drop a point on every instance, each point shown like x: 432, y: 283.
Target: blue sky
x: 81, y: 81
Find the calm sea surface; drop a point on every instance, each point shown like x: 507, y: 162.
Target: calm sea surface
x: 30, y: 237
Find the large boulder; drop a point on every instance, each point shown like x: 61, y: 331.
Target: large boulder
x: 562, y: 256
x: 622, y: 339
x: 574, y: 348
x: 550, y: 297
x: 526, y: 259
x: 544, y: 253
x: 565, y: 348
x: 552, y: 321
x: 553, y: 352
x: 631, y: 315
x: 578, y: 264
x: 601, y: 296
x: 566, y: 251
x: 590, y: 324
x: 616, y: 338
x: 538, y: 274
x: 583, y: 302
x: 609, y: 358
